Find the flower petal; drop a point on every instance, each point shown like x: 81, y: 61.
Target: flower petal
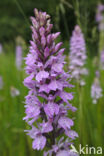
x: 39, y: 143
x: 65, y: 123
x: 41, y: 75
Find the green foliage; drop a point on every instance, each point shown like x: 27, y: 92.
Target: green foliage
x: 13, y: 140
x: 14, y: 17
x: 15, y: 14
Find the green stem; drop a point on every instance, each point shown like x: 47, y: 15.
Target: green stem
x: 99, y: 121
x: 78, y: 13
x: 22, y: 12
x: 64, y: 18
x: 80, y: 115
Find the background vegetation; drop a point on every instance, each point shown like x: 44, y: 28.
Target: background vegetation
x: 14, y: 18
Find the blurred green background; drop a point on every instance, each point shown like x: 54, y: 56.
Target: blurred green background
x: 15, y: 18
x: 14, y: 22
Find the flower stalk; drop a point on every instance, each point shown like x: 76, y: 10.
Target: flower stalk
x: 47, y: 102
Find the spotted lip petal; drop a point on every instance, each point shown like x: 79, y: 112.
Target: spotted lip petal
x: 42, y: 75
x: 39, y: 143
x: 65, y: 123
x: 51, y: 109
